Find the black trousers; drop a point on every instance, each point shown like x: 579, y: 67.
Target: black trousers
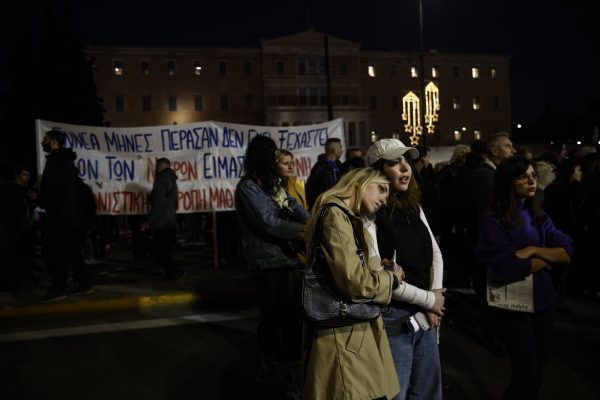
x: 63, y: 250
x: 527, y: 338
x: 279, y: 329
x: 161, y: 246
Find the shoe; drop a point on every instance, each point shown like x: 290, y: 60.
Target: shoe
x: 52, y: 296
x: 82, y: 291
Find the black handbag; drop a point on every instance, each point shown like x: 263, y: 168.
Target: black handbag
x: 321, y: 305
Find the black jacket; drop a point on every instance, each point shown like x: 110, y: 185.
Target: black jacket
x: 58, y: 190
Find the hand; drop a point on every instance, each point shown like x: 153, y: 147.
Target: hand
x: 526, y: 252
x: 433, y: 319
x: 538, y: 264
x: 438, y: 306
x: 399, y: 273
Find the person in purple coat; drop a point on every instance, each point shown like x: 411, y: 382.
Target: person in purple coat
x: 518, y: 240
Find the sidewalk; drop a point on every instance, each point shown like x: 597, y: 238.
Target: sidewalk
x: 121, y: 282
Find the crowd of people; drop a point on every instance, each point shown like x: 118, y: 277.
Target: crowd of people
x: 396, y: 231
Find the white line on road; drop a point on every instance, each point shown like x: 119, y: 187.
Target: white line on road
x: 127, y: 326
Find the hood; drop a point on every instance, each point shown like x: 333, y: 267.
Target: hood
x: 168, y: 173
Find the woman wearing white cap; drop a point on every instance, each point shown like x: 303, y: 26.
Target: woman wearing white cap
x: 404, y: 236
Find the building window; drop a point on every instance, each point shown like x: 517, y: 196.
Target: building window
x: 171, y: 67
x: 312, y: 65
x: 494, y: 72
x: 323, y: 96
x: 475, y: 72
x: 477, y: 134
x: 281, y: 100
x: 247, y: 68
x: 414, y: 72
x: 249, y: 101
x: 172, y: 103
x: 118, y: 67
x: 456, y: 103
x: 435, y: 73
x: 302, y: 96
x: 395, y: 103
x: 301, y: 66
x: 394, y: 70
x: 197, y: 68
x: 145, y: 67
x: 198, y: 104
x: 456, y: 71
x: 476, y: 103
x: 279, y: 67
x: 496, y: 102
x: 343, y: 69
x: 345, y: 100
x: 371, y: 70
x: 119, y: 103
x: 222, y: 68
x: 224, y: 103
x: 321, y: 65
x: 373, y: 102
x: 314, y: 96
x: 146, y: 103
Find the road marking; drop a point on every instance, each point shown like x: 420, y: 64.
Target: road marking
x: 127, y: 326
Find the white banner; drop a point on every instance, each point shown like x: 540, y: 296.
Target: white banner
x: 118, y: 163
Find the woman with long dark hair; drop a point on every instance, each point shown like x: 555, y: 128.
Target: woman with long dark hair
x: 259, y: 201
x: 519, y: 244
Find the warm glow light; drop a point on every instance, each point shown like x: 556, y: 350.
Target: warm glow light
x: 519, y: 126
x: 411, y: 115
x: 464, y: 128
x: 432, y: 106
x: 373, y: 136
x: 579, y: 142
x: 372, y: 71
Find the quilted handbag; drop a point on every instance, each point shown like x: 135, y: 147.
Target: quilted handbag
x: 321, y: 304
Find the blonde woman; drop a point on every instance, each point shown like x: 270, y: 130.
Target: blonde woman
x: 287, y: 172
x: 355, y: 361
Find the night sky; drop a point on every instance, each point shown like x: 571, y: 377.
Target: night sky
x: 555, y: 59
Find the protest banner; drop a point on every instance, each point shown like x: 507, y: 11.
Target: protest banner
x: 119, y: 163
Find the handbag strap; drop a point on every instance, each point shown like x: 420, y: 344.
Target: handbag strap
x: 319, y: 230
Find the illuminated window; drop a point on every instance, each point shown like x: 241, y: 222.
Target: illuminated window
x: 145, y: 67
x: 197, y: 68
x: 456, y: 103
x: 118, y: 67
x: 414, y: 73
x: 476, y: 103
x: 171, y: 67
x: 172, y: 103
x: 494, y: 72
x: 198, y: 103
x: 457, y: 135
x: 477, y: 134
x: 434, y: 72
x: 372, y: 71
x: 475, y: 72
x: 119, y: 103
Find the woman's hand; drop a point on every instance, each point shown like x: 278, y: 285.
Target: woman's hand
x: 538, y: 264
x: 433, y: 319
x: 438, y: 306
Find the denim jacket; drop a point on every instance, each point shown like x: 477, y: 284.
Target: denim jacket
x: 261, y: 228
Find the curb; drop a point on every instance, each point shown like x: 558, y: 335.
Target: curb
x: 131, y: 302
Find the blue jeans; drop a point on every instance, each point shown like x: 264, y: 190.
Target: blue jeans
x: 417, y: 360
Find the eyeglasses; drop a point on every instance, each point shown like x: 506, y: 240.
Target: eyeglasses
x: 527, y: 177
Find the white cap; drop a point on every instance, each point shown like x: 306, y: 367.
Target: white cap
x: 389, y: 149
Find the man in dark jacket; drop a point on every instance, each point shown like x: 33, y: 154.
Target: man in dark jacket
x: 326, y: 172
x: 162, y: 220
x: 58, y: 197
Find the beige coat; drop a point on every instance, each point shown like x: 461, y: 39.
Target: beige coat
x: 350, y: 362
